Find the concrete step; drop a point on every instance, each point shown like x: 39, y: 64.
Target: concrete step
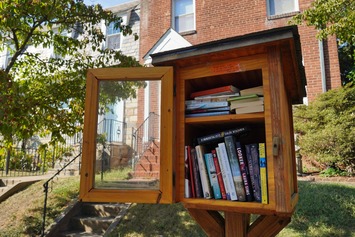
x: 100, y: 210
x: 145, y: 174
x: 78, y: 234
x: 91, y: 224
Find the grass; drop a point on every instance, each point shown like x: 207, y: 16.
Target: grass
x: 324, y: 209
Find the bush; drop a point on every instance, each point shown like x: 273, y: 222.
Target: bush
x: 326, y: 128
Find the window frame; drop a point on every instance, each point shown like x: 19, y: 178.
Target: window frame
x: 285, y: 13
x: 165, y: 193
x: 174, y: 17
x: 107, y: 35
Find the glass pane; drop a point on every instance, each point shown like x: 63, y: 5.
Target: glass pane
x: 183, y: 7
x: 128, y: 135
x: 184, y: 23
x: 278, y: 7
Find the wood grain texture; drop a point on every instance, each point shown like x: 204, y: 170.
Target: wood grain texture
x: 211, y: 221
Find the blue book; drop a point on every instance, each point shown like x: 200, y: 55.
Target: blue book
x: 212, y: 174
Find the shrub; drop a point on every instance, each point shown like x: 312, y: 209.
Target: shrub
x: 326, y: 128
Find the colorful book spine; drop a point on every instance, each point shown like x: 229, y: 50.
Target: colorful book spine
x: 206, y: 186
x: 206, y: 105
x: 216, y: 91
x: 263, y: 173
x: 252, y: 154
x: 219, y: 174
x: 229, y: 178
x: 244, y: 172
x: 188, y: 193
x: 234, y: 164
x: 212, y: 174
x: 207, y: 114
x: 215, y: 137
x: 223, y: 171
x: 196, y: 174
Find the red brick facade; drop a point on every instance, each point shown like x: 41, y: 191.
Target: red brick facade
x: 221, y: 19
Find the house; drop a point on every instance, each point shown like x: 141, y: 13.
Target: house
x: 199, y: 22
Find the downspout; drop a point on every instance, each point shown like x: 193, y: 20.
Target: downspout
x: 322, y: 66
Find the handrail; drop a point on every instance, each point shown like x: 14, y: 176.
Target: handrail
x: 45, y: 186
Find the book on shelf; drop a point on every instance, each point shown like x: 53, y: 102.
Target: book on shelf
x: 223, y: 90
x: 206, y: 186
x: 205, y: 105
x: 219, y: 174
x: 251, y: 109
x: 216, y: 113
x: 253, y: 90
x: 219, y: 136
x: 214, y: 98
x: 196, y: 174
x: 243, y: 99
x: 188, y: 193
x: 191, y: 171
x: 212, y: 174
x: 220, y: 109
x: 244, y: 171
x: 234, y: 165
x: 263, y: 173
x: 252, y: 154
x: 224, y: 163
x: 243, y: 104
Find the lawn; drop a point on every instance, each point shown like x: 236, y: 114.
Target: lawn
x: 324, y: 209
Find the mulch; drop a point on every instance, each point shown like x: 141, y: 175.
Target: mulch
x: 315, y: 177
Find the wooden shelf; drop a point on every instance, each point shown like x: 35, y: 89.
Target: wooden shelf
x: 231, y: 118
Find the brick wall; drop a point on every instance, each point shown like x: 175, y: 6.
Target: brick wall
x: 224, y: 18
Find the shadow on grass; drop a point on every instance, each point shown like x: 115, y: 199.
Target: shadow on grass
x: 324, y: 209
x: 158, y: 220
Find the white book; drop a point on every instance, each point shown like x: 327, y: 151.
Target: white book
x: 223, y: 171
x: 206, y: 186
x: 227, y: 168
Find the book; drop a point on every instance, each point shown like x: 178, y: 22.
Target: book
x: 219, y: 136
x: 213, y: 98
x: 212, y: 174
x: 244, y: 171
x: 243, y: 99
x: 224, y: 162
x: 259, y: 101
x: 207, y: 114
x: 251, y: 109
x: 253, y: 90
x: 219, y: 174
x: 187, y: 175
x: 234, y: 165
x: 196, y: 174
x: 224, y: 174
x: 191, y: 172
x: 206, y: 186
x: 263, y: 173
x: 252, y: 154
x: 223, y: 90
x: 225, y: 108
x: 205, y: 105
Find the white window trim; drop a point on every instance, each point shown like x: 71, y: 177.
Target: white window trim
x: 124, y: 22
x: 173, y: 17
x: 288, y: 13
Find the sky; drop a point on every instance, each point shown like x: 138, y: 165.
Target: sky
x: 106, y: 3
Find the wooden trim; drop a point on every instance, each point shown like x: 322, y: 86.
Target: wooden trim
x: 211, y: 222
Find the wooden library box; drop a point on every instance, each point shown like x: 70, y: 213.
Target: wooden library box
x: 270, y: 60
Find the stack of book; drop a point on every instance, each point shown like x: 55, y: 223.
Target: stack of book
x: 220, y: 167
x: 210, y: 102
x: 252, y: 103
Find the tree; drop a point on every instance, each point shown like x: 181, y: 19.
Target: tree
x: 46, y: 95
x: 334, y: 17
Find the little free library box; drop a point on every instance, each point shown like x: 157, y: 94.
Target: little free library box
x: 196, y: 149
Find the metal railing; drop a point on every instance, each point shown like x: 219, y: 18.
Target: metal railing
x: 45, y: 186
x: 145, y: 134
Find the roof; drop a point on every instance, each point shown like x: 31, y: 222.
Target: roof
x: 250, y: 43
x: 124, y: 7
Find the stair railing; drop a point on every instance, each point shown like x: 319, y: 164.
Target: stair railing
x: 45, y: 186
x: 145, y: 134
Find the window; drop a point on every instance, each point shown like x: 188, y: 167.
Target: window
x: 113, y: 40
x: 279, y: 7
x: 184, y: 15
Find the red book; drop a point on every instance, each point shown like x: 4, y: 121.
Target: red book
x: 219, y: 175
x: 223, y: 90
x: 193, y: 190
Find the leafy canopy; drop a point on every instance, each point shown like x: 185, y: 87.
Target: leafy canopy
x: 42, y: 94
x: 334, y: 17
